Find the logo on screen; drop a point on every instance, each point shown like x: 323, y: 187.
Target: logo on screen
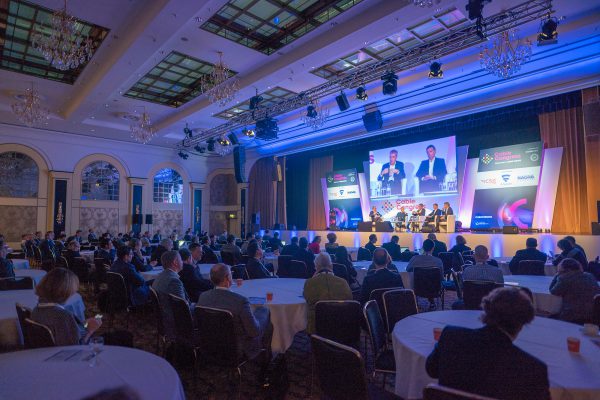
x: 329, y: 178
x: 505, y: 177
x: 486, y: 159
x: 526, y: 177
x: 489, y: 181
x: 341, y: 192
x: 534, y: 157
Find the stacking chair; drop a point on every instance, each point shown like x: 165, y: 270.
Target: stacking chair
x: 21, y: 283
x: 339, y: 320
x: 161, y: 337
x: 283, y: 263
x: 447, y: 258
x: 475, y: 291
x: 427, y: 283
x: 228, y: 258
x: 185, y: 333
x: 437, y: 392
x: 377, y: 295
x: 530, y: 267
x: 239, y: 272
x: 100, y: 272
x: 117, y: 297
x: 383, y: 359
x: 457, y: 278
x: 398, y: 304
x: 364, y: 255
x: 340, y: 271
x: 23, y: 313
x: 38, y: 335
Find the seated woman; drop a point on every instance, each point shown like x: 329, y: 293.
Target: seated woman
x: 342, y: 257
x: 53, y: 291
x: 331, y: 244
x: 460, y: 246
x: 577, y: 288
x: 315, y: 245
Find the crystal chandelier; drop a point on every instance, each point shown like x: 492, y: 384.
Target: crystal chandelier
x: 142, y: 130
x: 65, y: 47
x: 506, y: 55
x: 425, y: 3
x: 315, y: 115
x: 28, y: 109
x: 218, y: 85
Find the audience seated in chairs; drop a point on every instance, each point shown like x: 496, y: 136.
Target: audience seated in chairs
x: 577, y: 289
x: 53, y: 291
x: 6, y: 265
x: 306, y: 256
x: 164, y: 246
x: 569, y: 251
x: 166, y: 283
x: 292, y: 248
x: 231, y: 249
x: 138, y: 260
x: 460, y: 246
x: 254, y: 266
x: 484, y: 360
x: 371, y: 244
x: 48, y: 248
x: 381, y: 278
x: 137, y: 289
x: 104, y: 251
x: 315, y: 245
x: 190, y: 275
x: 393, y: 248
x: 481, y: 270
x: 324, y: 285
x: 426, y: 259
x: 439, y: 247
x: 342, y: 257
x: 208, y: 254
x: 331, y: 244
x: 529, y: 253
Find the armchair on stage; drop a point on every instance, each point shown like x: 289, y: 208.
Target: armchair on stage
x: 449, y: 225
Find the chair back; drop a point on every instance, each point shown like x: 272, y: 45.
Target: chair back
x: 468, y: 259
x: 475, y: 291
x: 101, y: 269
x: 335, y: 382
x: 364, y: 254
x: 16, y: 255
x: 239, y: 272
x: 338, y: 320
x: 377, y: 295
x: 427, y: 282
x: 118, y: 299
x: 20, y: 283
x: 38, y: 335
x: 448, y: 259
x: 398, y: 304
x: 596, y: 310
x: 245, y: 258
x: 437, y: 392
x: 23, y: 312
x: 297, y: 269
x: 81, y: 269
x: 182, y: 318
x: 228, y: 258
x: 340, y: 271
x: 530, y: 267
x: 154, y: 302
x: 209, y: 258
x: 457, y: 278
x: 217, y: 338
x: 283, y: 263
x: 63, y: 262
x: 375, y: 325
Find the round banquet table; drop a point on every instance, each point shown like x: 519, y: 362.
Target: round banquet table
x: 543, y: 301
x: 30, y: 374
x: 20, y: 263
x: 150, y: 275
x: 571, y: 376
x: 362, y: 267
x: 35, y: 274
x: 288, y: 308
x: 549, y: 269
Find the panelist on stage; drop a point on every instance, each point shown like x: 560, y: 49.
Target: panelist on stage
x: 447, y: 210
x: 431, y: 172
x: 414, y: 219
x: 375, y: 215
x: 401, y: 218
x: 392, y: 173
x: 436, y: 212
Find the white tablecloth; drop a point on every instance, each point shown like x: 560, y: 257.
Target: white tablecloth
x: 35, y: 274
x: 571, y: 376
x: 10, y: 335
x: 362, y: 267
x: 543, y: 301
x: 204, y: 271
x: 549, y: 269
x: 288, y: 308
x: 20, y: 263
x: 26, y: 375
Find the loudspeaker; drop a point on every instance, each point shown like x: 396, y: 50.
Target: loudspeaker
x: 255, y: 219
x: 598, y: 207
x: 342, y: 102
x: 136, y: 219
x: 372, y: 121
x: 149, y: 219
x: 239, y: 163
x: 510, y: 230
x: 595, y: 228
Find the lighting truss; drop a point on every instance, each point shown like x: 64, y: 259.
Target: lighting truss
x: 450, y: 43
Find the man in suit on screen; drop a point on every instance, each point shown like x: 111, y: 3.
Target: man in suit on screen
x: 392, y: 173
x: 431, y: 172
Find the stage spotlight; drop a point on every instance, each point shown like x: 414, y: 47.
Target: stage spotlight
x: 475, y: 8
x: 187, y: 131
x: 183, y: 155
x: 361, y: 93
x: 249, y: 133
x: 311, y: 111
x: 233, y: 139
x: 199, y: 148
x: 223, y: 141
x: 435, y: 70
x: 390, y: 83
x: 210, y: 144
x: 342, y: 101
x: 549, y: 33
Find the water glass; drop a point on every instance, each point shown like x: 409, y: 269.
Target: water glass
x: 96, y: 345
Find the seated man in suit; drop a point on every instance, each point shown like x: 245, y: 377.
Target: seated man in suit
x: 434, y: 214
x: 254, y: 329
x: 164, y: 246
x: 190, y: 275
x: 569, y: 251
x: 292, y: 248
x: 232, y: 249
x: 324, y: 285
x: 371, y: 245
x: 374, y: 215
x: 135, y: 283
x: 529, y: 253
x: 47, y: 247
x: 6, y: 265
x: 577, y: 246
x: 381, y: 278
x: 393, y: 248
x: 439, y: 247
x: 482, y: 361
x: 307, y: 256
x: 208, y: 254
x: 426, y: 259
x: 482, y: 270
x: 275, y: 242
x: 431, y: 172
x: 254, y: 266
x: 166, y: 283
x: 392, y: 174
x: 157, y: 236
x: 414, y: 224
x: 104, y: 251
x: 92, y: 236
x: 401, y: 218
x: 446, y: 210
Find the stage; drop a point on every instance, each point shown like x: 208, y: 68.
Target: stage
x: 499, y: 245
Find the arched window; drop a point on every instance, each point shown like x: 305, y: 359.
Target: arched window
x: 19, y: 175
x: 168, y: 186
x: 100, y: 181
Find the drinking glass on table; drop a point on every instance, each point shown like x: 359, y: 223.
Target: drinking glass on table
x: 96, y: 345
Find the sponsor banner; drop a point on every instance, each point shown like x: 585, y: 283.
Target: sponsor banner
x: 346, y: 177
x: 508, y: 178
x: 343, y: 196
x: 511, y: 157
x: 495, y: 208
x: 343, y: 192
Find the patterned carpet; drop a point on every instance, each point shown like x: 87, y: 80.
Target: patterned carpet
x: 205, y: 382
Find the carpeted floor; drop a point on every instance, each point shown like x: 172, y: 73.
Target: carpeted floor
x: 204, y: 382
